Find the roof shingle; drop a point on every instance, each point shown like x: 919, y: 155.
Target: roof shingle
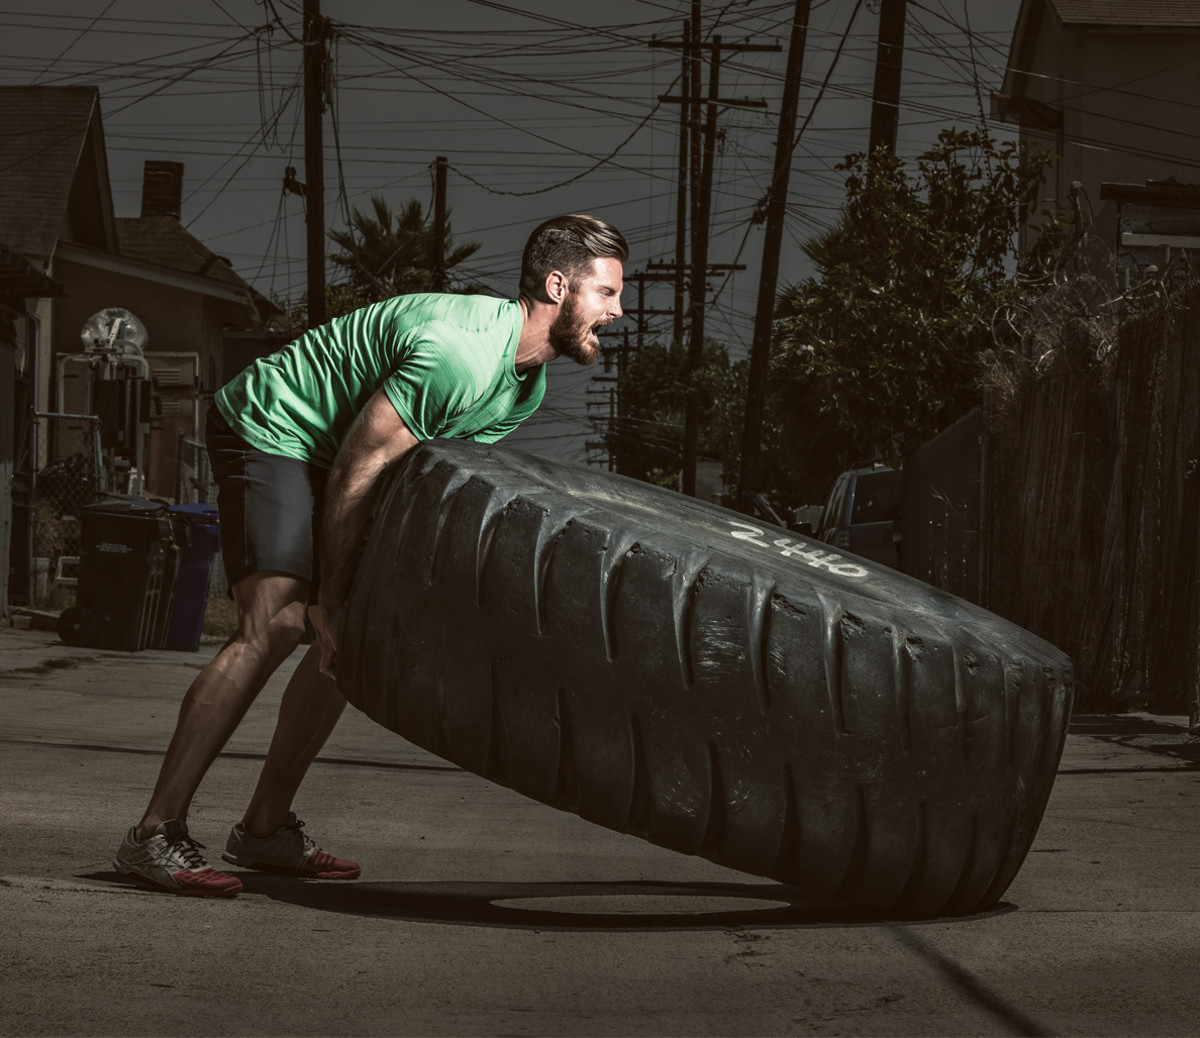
x: 43, y: 134
x: 163, y: 241
x: 1141, y: 14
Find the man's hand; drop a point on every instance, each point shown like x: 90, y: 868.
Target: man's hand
x: 325, y: 624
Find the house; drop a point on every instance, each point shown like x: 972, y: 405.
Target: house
x: 113, y: 407
x: 19, y: 282
x: 1110, y: 88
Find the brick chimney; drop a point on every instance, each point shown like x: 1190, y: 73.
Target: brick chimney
x: 162, y: 188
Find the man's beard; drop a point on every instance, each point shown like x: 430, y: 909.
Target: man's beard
x: 570, y: 333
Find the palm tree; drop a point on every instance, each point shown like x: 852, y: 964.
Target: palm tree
x: 392, y: 253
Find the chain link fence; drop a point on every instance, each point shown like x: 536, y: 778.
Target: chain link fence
x: 195, y: 486
x: 68, y: 473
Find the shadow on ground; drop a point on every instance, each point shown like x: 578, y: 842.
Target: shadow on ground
x: 1151, y: 736
x: 635, y: 905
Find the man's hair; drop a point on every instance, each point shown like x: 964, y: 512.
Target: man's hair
x: 568, y: 244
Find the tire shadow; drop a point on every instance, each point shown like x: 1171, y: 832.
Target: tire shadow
x: 586, y: 906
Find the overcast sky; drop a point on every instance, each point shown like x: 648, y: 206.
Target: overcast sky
x: 540, y: 108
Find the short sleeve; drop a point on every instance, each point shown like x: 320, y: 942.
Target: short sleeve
x: 498, y: 430
x: 430, y: 387
x: 530, y: 398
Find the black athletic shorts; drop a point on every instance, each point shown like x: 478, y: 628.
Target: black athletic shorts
x: 270, y: 506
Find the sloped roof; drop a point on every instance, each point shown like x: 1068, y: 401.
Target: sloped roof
x: 19, y: 278
x: 1036, y: 18
x: 1140, y: 14
x: 163, y: 241
x: 51, y: 145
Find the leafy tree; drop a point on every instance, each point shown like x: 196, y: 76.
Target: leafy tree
x: 647, y: 439
x: 388, y: 252
x: 881, y: 349
x: 339, y: 299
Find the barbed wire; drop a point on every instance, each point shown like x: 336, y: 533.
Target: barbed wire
x: 1070, y: 317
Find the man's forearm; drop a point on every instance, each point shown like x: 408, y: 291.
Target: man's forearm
x: 347, y: 513
x: 378, y: 438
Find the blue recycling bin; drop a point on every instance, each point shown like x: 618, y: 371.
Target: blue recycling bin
x: 198, y: 535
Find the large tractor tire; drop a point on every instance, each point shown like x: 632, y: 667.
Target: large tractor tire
x: 675, y: 670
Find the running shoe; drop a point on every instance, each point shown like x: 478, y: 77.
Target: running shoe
x: 170, y: 859
x: 288, y: 850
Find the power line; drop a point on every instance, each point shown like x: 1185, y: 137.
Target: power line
x: 82, y: 33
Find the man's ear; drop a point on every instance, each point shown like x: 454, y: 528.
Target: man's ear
x: 557, y: 286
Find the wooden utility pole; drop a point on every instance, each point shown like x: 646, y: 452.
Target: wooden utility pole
x: 610, y: 391
x: 439, y: 224
x: 702, y: 151
x: 702, y: 148
x: 776, y: 211
x: 642, y: 312
x: 314, y: 158
x: 889, y: 62
x: 692, y: 105
x: 617, y: 426
x: 699, y: 286
x: 681, y: 191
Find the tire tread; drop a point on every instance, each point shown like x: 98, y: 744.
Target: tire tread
x: 624, y: 662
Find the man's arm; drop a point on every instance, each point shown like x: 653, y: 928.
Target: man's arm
x: 378, y: 437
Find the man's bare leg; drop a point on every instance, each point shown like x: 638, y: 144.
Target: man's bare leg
x: 310, y: 708
x: 270, y: 626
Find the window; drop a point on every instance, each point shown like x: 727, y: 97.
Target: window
x: 876, y: 497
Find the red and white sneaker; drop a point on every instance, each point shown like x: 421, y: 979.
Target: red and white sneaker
x: 171, y: 860
x: 289, y: 850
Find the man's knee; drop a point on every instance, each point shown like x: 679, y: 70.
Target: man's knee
x: 287, y: 626
x: 271, y: 611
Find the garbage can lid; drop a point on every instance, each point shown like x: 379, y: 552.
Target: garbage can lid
x: 126, y: 504
x: 194, y: 513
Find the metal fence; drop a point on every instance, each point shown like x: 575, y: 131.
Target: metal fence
x: 194, y: 484
x: 68, y: 472
x: 945, y: 498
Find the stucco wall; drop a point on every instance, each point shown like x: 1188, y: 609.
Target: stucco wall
x: 175, y: 319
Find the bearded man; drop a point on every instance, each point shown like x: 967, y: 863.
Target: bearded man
x: 298, y: 443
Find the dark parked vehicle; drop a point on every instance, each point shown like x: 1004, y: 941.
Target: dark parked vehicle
x: 862, y: 514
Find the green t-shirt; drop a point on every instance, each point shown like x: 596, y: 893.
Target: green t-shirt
x: 446, y: 362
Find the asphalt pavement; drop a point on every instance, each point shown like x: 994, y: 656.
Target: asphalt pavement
x: 482, y: 913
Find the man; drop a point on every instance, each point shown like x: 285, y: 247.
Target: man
x: 310, y: 430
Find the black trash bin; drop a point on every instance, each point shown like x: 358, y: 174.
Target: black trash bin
x: 126, y: 559
x: 198, y: 537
